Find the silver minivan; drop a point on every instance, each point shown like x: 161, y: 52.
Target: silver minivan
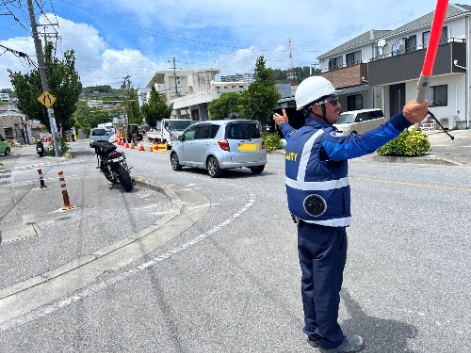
x: 359, y: 121
x: 221, y: 144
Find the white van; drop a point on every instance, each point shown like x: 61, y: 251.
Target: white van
x: 4, y: 97
x: 359, y: 121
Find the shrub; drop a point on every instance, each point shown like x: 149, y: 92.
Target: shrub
x: 272, y: 142
x: 408, y: 143
x: 64, y: 147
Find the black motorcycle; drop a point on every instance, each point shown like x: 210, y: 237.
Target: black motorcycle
x: 41, y: 150
x: 113, y: 164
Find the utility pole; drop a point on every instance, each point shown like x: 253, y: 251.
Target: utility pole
x: 42, y: 73
x: 127, y: 84
x: 177, y: 95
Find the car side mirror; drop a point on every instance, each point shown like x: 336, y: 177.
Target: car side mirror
x: 181, y: 138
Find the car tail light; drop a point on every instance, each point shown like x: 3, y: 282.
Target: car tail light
x: 263, y: 144
x: 224, y: 144
x: 116, y: 154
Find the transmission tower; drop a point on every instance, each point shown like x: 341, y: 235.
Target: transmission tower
x: 291, y: 71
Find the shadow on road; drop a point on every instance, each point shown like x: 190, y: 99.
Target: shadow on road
x: 229, y: 173
x: 380, y: 335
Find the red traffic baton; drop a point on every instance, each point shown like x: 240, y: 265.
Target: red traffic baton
x: 435, y: 34
x: 425, y: 77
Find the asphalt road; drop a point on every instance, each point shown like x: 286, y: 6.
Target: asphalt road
x: 237, y: 289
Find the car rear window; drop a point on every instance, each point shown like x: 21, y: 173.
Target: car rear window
x: 98, y: 132
x: 242, y: 131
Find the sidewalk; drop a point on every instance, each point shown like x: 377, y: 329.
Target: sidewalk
x: 37, y: 234
x: 444, y: 151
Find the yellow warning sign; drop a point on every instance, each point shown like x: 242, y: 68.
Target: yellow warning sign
x: 47, y: 99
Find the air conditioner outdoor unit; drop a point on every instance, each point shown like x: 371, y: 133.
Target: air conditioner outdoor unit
x: 448, y: 123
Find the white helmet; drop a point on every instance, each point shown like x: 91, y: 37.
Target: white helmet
x: 312, y: 89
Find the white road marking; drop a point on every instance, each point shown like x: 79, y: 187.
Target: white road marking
x: 95, y: 288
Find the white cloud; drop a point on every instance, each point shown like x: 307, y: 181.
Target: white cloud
x: 96, y: 62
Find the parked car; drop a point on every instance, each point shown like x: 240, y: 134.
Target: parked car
x: 219, y: 145
x: 98, y: 134
x: 4, y: 146
x: 359, y: 121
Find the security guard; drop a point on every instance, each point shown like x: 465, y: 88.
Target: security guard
x: 319, y: 201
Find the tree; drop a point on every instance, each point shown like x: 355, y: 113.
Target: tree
x: 261, y: 97
x: 157, y: 109
x: 64, y: 84
x: 228, y: 102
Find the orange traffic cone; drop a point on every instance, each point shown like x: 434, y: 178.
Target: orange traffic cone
x: 132, y: 144
x: 127, y: 144
x: 151, y: 148
x: 142, y: 146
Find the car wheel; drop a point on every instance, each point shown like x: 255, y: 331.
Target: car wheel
x: 175, y: 162
x: 257, y: 170
x: 213, y: 168
x: 7, y: 151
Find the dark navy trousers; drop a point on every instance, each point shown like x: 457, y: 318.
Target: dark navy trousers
x: 322, y: 255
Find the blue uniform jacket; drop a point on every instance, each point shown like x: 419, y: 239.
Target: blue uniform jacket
x: 316, y: 167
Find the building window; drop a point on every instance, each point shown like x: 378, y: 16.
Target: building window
x: 443, y: 37
x: 335, y: 63
x: 438, y: 96
x: 411, y: 43
x: 354, y: 58
x: 355, y: 102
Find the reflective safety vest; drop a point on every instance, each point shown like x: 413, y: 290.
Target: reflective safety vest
x: 316, y: 194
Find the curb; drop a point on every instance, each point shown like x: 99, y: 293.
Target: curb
x: 188, y: 207
x: 412, y: 160
x: 395, y: 159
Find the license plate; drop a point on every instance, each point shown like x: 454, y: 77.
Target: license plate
x: 116, y: 160
x: 249, y: 147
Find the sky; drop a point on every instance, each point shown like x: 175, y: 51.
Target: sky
x: 114, y: 38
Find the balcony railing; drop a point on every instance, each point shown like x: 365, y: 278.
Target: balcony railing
x: 408, y: 66
x: 412, y: 49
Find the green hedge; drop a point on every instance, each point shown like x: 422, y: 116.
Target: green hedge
x: 408, y: 143
x: 272, y: 142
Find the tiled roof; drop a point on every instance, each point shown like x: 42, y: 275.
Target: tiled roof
x: 365, y: 38
x: 452, y: 11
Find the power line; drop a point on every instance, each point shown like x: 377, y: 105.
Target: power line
x: 22, y: 56
x: 160, y: 33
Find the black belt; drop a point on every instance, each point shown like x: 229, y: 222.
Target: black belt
x: 296, y: 219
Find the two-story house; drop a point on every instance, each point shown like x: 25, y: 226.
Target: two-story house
x: 382, y: 70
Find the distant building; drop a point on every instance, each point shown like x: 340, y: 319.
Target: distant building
x: 142, y: 94
x: 238, y: 78
x: 185, y: 82
x: 194, y: 106
x: 95, y: 104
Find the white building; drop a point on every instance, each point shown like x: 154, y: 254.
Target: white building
x: 183, y: 82
x: 195, y: 105
x: 380, y: 68
x: 142, y: 95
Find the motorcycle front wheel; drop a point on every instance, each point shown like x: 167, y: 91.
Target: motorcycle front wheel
x: 125, y: 178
